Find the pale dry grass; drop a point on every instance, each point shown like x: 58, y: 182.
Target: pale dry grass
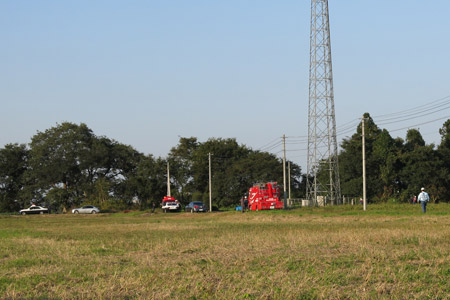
x: 227, y: 256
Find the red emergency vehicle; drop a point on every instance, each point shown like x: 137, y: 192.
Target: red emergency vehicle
x: 170, y: 204
x: 264, y: 196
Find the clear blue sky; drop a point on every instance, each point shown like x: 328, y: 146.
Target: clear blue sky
x: 146, y: 72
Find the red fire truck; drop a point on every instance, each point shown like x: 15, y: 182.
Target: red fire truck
x: 264, y: 196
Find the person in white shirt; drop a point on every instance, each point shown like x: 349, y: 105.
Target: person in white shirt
x: 423, y: 199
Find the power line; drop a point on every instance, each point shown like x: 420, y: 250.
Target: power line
x: 417, y: 108
x: 421, y: 113
x: 269, y: 144
x: 272, y: 147
x: 447, y: 117
x: 348, y: 124
x: 297, y: 137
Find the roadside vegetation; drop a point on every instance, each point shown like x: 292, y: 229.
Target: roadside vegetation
x: 337, y: 252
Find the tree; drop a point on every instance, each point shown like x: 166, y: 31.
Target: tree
x: 444, y: 131
x: 13, y: 165
x: 150, y: 181
x: 70, y: 165
x: 58, y: 160
x: 422, y: 167
x: 413, y: 139
x: 385, y: 159
x: 226, y: 184
x: 381, y: 162
x: 444, y: 154
x: 350, y: 160
x: 123, y: 171
x: 181, y: 160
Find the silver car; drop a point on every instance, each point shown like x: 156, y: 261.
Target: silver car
x: 34, y: 209
x: 87, y: 209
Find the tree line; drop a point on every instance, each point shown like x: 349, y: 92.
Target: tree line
x: 68, y: 165
x: 396, y: 168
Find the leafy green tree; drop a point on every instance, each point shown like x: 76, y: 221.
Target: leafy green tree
x: 13, y: 165
x: 422, y: 167
x: 444, y: 154
x: 444, y: 131
x: 350, y: 160
x: 350, y: 166
x: 150, y: 181
x: 382, y: 163
x: 69, y: 165
x: 413, y: 140
x: 226, y: 183
x: 123, y: 172
x: 57, y: 160
x: 386, y: 162
x: 181, y: 160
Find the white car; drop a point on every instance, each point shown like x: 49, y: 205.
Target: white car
x: 34, y: 209
x: 171, y: 206
x: 87, y: 209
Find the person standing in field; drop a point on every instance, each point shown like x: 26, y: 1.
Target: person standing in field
x: 423, y: 199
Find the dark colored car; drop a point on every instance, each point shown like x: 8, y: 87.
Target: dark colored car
x: 34, y: 209
x: 195, y: 206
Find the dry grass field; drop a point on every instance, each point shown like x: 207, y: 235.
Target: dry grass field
x: 388, y: 252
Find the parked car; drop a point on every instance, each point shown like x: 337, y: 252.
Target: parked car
x: 87, y: 209
x: 34, y: 209
x: 195, y: 206
x: 171, y: 206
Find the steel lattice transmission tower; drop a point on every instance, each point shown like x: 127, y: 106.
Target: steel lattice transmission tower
x: 323, y: 171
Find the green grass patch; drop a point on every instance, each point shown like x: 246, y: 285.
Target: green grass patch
x: 338, y: 252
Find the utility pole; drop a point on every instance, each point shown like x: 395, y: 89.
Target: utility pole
x: 364, y: 163
x: 168, y: 180
x: 322, y: 142
x: 210, y: 189
x: 289, y: 182
x: 284, y: 171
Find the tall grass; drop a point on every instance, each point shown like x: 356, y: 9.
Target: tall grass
x: 326, y: 253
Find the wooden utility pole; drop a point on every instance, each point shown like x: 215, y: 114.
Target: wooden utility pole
x: 168, y: 180
x: 289, y: 182
x: 284, y: 171
x: 210, y: 189
x: 364, y: 164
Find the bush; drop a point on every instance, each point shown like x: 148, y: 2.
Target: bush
x: 393, y: 201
